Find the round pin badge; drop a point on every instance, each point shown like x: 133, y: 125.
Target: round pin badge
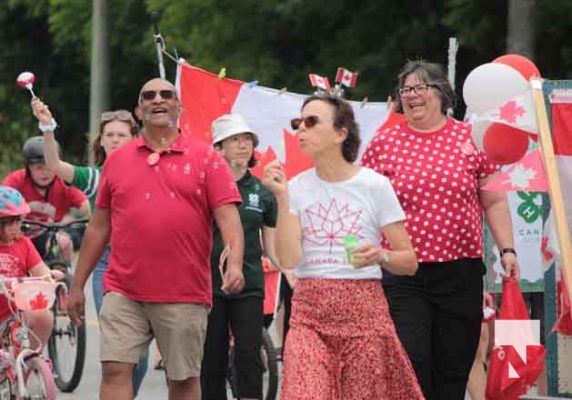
x: 467, y: 148
x: 153, y: 159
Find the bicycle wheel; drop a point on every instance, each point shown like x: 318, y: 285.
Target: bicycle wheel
x: 38, y: 380
x: 66, y: 346
x: 270, y: 371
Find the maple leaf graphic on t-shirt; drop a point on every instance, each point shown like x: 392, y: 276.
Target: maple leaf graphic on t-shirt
x: 511, y: 111
x: 330, y: 224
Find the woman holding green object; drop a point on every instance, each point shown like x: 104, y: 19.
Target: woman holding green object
x: 115, y: 129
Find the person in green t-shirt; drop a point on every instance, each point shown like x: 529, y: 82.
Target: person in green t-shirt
x: 115, y: 129
x: 241, y: 314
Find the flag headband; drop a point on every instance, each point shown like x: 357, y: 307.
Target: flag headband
x: 344, y: 78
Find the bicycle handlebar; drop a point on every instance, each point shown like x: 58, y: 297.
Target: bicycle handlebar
x: 6, y: 282
x: 53, y: 226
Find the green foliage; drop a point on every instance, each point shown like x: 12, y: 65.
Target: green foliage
x: 277, y: 42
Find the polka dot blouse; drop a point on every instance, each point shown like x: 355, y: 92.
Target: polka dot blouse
x: 436, y: 177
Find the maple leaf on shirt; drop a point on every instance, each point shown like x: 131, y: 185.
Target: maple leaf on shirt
x: 511, y: 111
x: 330, y: 224
x: 521, y: 176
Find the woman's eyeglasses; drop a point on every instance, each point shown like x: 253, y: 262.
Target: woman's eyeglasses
x: 419, y: 90
x: 309, y: 121
x: 121, y: 115
x: 165, y: 94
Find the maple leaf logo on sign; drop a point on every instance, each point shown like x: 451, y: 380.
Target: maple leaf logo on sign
x: 545, y: 249
x: 330, y: 224
x: 511, y: 111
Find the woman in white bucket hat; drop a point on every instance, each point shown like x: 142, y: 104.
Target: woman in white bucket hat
x: 242, y: 312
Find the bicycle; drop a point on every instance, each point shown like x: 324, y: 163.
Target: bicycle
x: 24, y: 374
x: 269, y: 360
x: 66, y: 346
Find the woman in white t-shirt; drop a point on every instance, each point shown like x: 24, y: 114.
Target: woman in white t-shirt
x: 342, y: 342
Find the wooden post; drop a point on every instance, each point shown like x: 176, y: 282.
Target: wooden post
x: 554, y: 188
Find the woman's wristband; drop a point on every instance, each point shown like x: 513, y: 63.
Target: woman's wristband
x: 507, y: 250
x: 49, y: 127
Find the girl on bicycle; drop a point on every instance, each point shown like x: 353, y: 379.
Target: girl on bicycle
x: 19, y: 258
x: 115, y: 129
x: 342, y: 343
x: 241, y: 313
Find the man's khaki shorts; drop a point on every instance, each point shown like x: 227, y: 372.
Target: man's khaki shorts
x: 127, y: 328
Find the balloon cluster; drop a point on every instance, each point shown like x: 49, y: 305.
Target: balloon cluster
x: 499, y: 97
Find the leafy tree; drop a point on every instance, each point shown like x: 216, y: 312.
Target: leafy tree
x: 277, y: 42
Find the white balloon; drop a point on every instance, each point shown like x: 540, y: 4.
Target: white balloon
x: 491, y: 85
x: 478, y: 131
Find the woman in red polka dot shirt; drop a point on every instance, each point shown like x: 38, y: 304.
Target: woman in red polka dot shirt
x: 437, y: 173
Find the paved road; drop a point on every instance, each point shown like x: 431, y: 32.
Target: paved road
x: 153, y: 388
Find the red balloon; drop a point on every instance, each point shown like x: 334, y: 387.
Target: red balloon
x: 522, y: 64
x: 505, y: 144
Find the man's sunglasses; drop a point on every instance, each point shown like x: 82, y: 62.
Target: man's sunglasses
x: 121, y: 115
x: 309, y: 121
x: 165, y: 94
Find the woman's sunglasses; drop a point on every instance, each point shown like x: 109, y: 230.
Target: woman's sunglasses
x: 121, y: 115
x: 165, y: 94
x: 309, y: 121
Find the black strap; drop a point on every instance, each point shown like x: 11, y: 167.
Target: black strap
x: 507, y: 250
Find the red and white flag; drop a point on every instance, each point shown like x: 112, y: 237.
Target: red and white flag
x: 205, y: 96
x: 517, y: 112
x: 346, y: 77
x: 527, y: 175
x: 561, y: 108
x: 561, y: 111
x: 320, y: 82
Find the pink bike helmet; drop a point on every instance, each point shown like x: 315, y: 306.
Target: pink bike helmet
x: 12, y: 203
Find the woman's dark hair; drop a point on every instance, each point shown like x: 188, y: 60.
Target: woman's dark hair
x: 343, y: 118
x: 99, y: 155
x: 432, y: 73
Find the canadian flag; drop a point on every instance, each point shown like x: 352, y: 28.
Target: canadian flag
x: 320, y: 82
x: 346, y: 77
x: 517, y: 112
x: 204, y: 97
x: 526, y: 175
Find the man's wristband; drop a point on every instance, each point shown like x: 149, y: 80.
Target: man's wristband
x: 49, y: 127
x: 507, y: 250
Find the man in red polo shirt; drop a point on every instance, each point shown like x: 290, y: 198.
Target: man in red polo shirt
x: 157, y: 198
x: 50, y: 199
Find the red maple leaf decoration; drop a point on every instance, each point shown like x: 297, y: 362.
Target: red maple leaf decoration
x: 331, y: 224
x: 39, y: 302
x: 511, y: 111
x: 296, y: 161
x: 263, y: 159
x: 548, y: 256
